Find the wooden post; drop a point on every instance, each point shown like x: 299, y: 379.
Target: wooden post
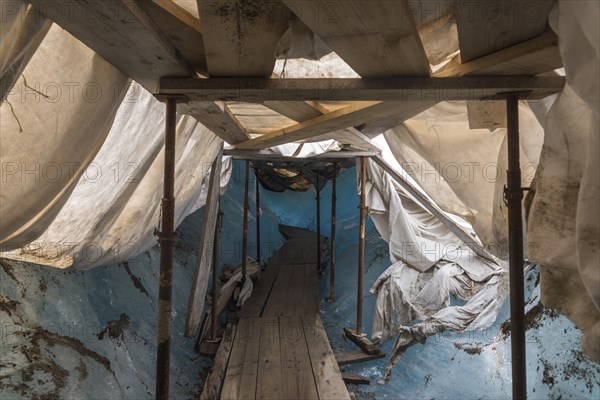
x: 318, y: 198
x: 245, y: 229
x: 257, y: 217
x: 513, y: 197
x: 166, y: 239
x: 331, y: 297
x: 215, y: 272
x: 361, y: 245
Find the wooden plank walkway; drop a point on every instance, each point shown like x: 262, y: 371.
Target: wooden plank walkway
x: 280, y: 349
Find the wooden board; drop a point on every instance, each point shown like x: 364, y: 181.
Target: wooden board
x: 181, y: 28
x: 487, y: 26
x: 532, y: 57
x: 325, y: 368
x: 242, y: 370
x: 240, y: 37
x: 297, y: 373
x: 277, y: 302
x: 310, y: 296
x: 195, y: 308
x: 357, y: 356
x: 122, y: 34
x: 214, y: 380
x: 216, y: 118
x: 269, y: 384
x: 375, y: 37
x: 253, y: 307
x: 297, y: 110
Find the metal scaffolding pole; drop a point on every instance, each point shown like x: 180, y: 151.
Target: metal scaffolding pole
x: 318, y: 198
x: 513, y: 197
x: 245, y: 237
x: 361, y: 246
x: 331, y: 297
x: 166, y: 239
x: 257, y: 217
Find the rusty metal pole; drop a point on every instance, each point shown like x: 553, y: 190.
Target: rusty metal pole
x: 257, y: 217
x: 245, y: 237
x: 361, y: 246
x: 318, y: 198
x: 166, y: 239
x: 513, y: 197
x: 331, y: 297
x: 215, y: 271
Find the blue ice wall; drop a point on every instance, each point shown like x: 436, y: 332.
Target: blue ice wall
x: 54, y: 341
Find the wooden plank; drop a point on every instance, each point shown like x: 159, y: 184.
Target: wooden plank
x: 486, y: 114
x: 120, y: 32
x: 487, y: 26
x: 295, y: 298
x: 214, y: 380
x: 296, y: 370
x: 375, y: 37
x: 195, y: 307
x: 325, y: 368
x: 532, y: 57
x: 311, y: 290
x: 181, y: 28
x: 267, y: 155
x: 240, y: 37
x: 366, y: 90
x: 435, y: 210
x: 242, y: 370
x: 354, y: 379
x: 253, y: 307
x: 357, y: 356
x: 215, y: 117
x: 361, y: 341
x: 297, y: 110
x: 269, y: 383
x: 343, y: 118
x: 277, y: 301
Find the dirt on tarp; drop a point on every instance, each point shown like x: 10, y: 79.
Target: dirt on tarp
x: 533, y: 318
x: 467, y: 348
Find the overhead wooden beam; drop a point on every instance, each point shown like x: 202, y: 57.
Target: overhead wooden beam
x: 122, y: 33
x: 297, y: 110
x: 532, y: 57
x: 180, y: 13
x: 240, y: 37
x: 259, y: 90
x: 486, y: 26
x: 217, y: 118
x: 375, y: 37
x: 266, y: 155
x: 181, y: 28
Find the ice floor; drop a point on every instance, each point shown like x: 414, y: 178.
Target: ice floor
x: 91, y: 334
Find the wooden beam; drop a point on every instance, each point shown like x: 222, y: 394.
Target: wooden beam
x: 355, y: 379
x: 532, y: 57
x: 195, y: 308
x: 467, y: 239
x: 356, y: 356
x: 297, y: 110
x: 240, y: 37
x: 348, y: 116
x: 267, y: 155
x: 260, y: 90
x: 180, y: 13
x: 375, y: 37
x: 120, y: 32
x: 181, y: 28
x: 214, y: 380
x: 487, y: 26
x: 216, y: 117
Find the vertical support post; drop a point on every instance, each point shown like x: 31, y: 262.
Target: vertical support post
x: 245, y: 232
x: 318, y: 198
x: 215, y: 271
x: 166, y: 239
x: 513, y: 197
x: 257, y: 217
x: 361, y: 246
x: 331, y: 297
